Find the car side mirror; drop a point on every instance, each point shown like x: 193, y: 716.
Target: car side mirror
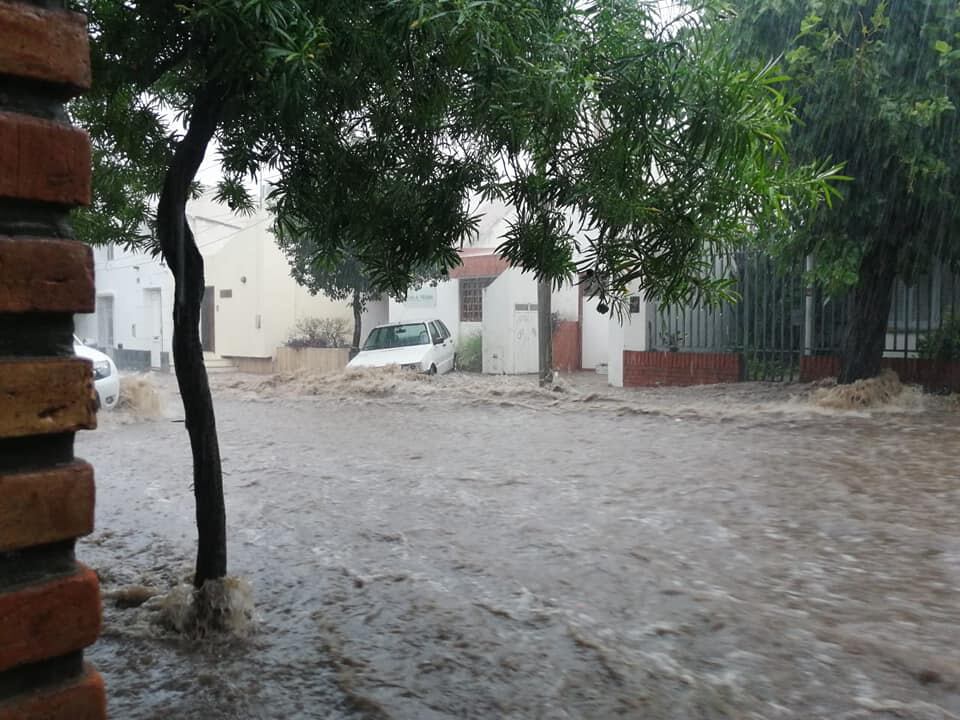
x: 438, y: 341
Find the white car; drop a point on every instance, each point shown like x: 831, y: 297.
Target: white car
x: 106, y: 379
x: 424, y: 346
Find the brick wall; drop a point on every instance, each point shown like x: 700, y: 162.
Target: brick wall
x: 49, y: 603
x: 566, y: 346
x: 644, y: 369
x: 929, y: 373
x: 818, y: 367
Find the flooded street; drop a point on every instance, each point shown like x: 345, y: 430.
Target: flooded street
x: 459, y: 548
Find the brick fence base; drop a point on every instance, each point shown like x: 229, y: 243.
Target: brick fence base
x: 645, y: 369
x: 49, y: 603
x: 931, y: 374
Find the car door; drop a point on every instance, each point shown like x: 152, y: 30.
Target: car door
x: 435, y: 354
x: 446, y: 350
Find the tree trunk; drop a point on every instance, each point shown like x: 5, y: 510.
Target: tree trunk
x: 868, y: 311
x: 357, y: 323
x: 545, y: 333
x: 181, y: 254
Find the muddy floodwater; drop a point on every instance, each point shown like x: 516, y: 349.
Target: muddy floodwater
x: 477, y: 548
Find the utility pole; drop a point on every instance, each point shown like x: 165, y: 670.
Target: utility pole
x: 808, y: 312
x: 545, y: 332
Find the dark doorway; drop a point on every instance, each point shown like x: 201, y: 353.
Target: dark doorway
x: 207, y: 314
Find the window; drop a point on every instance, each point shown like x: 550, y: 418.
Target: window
x: 445, y: 333
x: 471, y: 298
x: 435, y: 333
x: 387, y: 337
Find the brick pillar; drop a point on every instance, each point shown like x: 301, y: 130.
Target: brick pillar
x: 49, y: 603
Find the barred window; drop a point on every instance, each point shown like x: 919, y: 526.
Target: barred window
x: 471, y: 298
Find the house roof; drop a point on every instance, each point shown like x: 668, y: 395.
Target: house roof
x: 479, y: 262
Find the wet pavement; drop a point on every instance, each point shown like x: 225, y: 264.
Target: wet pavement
x: 478, y: 548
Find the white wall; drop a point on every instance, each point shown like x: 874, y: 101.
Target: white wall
x: 124, y: 277
x: 630, y: 335
x: 497, y: 325
x: 429, y: 302
x: 565, y: 301
x: 240, y: 256
x: 494, y: 224
x: 594, y: 335
x: 262, y: 312
x: 503, y: 351
x: 376, y: 312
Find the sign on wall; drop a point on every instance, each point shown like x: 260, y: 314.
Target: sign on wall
x: 425, y: 296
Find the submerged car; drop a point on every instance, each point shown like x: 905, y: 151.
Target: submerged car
x: 106, y: 379
x: 425, y: 346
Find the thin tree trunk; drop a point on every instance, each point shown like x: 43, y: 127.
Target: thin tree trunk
x: 869, y: 309
x: 545, y: 332
x: 357, y: 322
x: 186, y: 263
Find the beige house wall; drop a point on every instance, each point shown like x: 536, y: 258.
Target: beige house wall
x: 257, y: 302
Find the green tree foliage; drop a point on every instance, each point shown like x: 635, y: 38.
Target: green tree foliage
x: 634, y: 128
x: 877, y: 87
x: 340, y: 277
x: 342, y: 100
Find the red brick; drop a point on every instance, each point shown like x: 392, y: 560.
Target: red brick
x: 566, y: 346
x: 43, y: 396
x: 46, y: 506
x: 84, y: 699
x: 39, y: 275
x: 48, y: 45
x: 664, y: 368
x: 43, y: 160
x: 818, y: 367
x: 50, y: 619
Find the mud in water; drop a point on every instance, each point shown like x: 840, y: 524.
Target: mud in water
x: 140, y: 398
x: 881, y: 391
x: 463, y: 547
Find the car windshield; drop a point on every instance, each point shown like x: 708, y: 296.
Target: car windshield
x: 397, y: 336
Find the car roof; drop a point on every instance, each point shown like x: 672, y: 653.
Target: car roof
x: 407, y: 322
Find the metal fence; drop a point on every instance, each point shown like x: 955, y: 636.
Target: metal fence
x: 779, y: 318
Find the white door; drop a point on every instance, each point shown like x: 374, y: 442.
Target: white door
x: 526, y: 348
x: 595, y: 331
x: 153, y: 302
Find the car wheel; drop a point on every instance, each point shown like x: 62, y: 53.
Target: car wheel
x: 432, y: 370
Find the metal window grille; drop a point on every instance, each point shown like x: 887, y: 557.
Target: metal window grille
x: 471, y: 298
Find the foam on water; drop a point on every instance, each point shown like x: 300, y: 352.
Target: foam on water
x: 140, y: 397
x: 220, y: 607
x: 884, y: 394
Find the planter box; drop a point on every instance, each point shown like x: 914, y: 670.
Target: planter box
x: 316, y: 360
x: 645, y: 369
x: 932, y: 374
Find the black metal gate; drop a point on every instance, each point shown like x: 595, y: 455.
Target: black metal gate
x: 779, y: 318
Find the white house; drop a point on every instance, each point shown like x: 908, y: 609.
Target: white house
x: 485, y: 296
x: 251, y: 303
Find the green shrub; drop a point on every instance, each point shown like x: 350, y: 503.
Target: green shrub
x: 319, y: 333
x: 470, y: 353
x: 943, y: 343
